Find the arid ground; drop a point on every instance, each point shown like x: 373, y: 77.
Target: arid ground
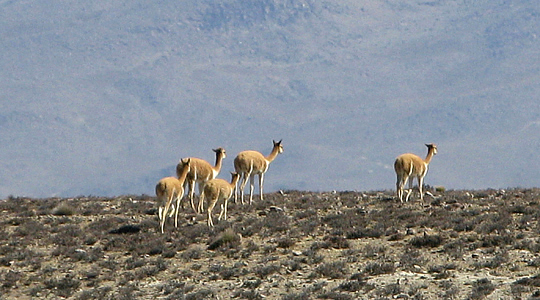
x: 480, y: 244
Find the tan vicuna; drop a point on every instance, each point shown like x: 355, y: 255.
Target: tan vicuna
x: 168, y: 189
x: 410, y: 165
x: 217, y: 190
x: 250, y: 163
x: 200, y: 172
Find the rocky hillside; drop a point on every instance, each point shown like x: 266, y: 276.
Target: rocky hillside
x: 294, y: 245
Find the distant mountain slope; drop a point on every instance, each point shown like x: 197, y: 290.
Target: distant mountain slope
x: 103, y: 98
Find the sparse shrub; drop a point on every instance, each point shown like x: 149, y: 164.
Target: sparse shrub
x: 293, y: 264
x: 319, y: 245
x: 309, y: 226
x: 285, y: 242
x: 529, y: 281
x: 411, y: 258
x: 495, y: 240
x: 337, y: 242
x: 378, y: 268
x: 352, y: 285
x: 171, y: 286
x: 95, y: 293
x: 312, y: 257
x: 30, y: 228
x: 494, y: 262
x: 168, y: 253
x: 249, y: 226
x: 105, y: 224
x: 228, y: 273
x: 126, y: 229
x: 192, y: 253
x: 200, y: 295
x: 297, y: 296
x: 67, y: 235
x: 334, y: 296
x: 496, y: 223
x: 451, y: 291
x: 62, y: 286
x: 534, y: 263
x: 267, y: 249
x: 251, y: 284
x: 249, y: 248
x: 426, y: 240
x: 196, y: 232
x: 372, y: 250
x: 264, y: 271
x: 390, y: 290
x: 347, y: 219
x: 481, y: 288
x: 63, y: 209
x: 441, y: 271
x: 307, y: 213
x: 276, y: 222
x: 359, y: 233
x: 394, y: 234
x: 332, y: 270
x: 440, y: 189
x: 248, y: 295
x: 227, y: 239
x: 134, y: 262
x: 10, y: 278
x: 126, y: 292
x: 147, y: 271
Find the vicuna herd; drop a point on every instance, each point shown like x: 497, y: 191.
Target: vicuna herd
x: 191, y: 171
x: 247, y: 164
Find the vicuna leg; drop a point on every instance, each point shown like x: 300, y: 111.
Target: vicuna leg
x: 251, y: 186
x: 420, y: 185
x: 191, y: 186
x: 210, y: 208
x: 398, y: 188
x: 178, y: 200
x: 163, y: 213
x: 243, y: 185
x: 223, y: 212
x: 261, y: 180
x: 201, y: 202
x: 400, y: 185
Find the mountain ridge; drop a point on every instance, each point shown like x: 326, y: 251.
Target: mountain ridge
x: 104, y: 98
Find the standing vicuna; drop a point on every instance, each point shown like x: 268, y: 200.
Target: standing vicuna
x: 250, y: 163
x: 218, y: 190
x: 168, y: 189
x: 410, y: 165
x: 200, y: 172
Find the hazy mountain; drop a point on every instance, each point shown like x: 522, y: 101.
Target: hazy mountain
x: 105, y: 97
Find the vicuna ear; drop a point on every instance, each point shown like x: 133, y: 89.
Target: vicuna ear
x: 277, y: 143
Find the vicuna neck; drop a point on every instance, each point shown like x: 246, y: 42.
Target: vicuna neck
x: 184, y: 173
x: 235, y: 181
x: 219, y: 160
x: 429, y: 155
x: 273, y: 154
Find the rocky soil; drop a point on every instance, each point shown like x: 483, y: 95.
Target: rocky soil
x: 480, y: 244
